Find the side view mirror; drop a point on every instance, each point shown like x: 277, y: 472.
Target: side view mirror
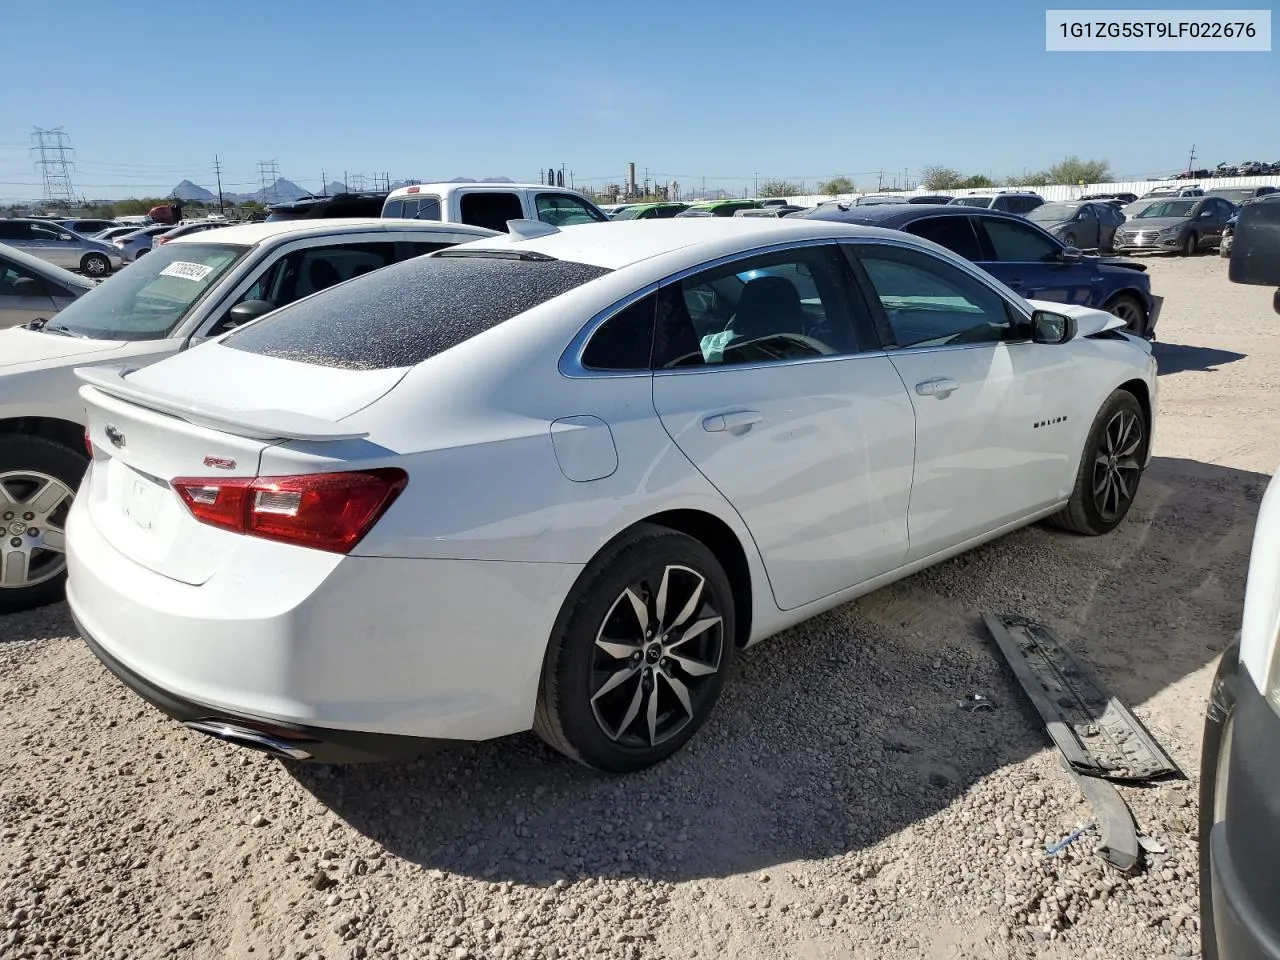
x: 1049, y: 327
x: 1071, y: 255
x: 248, y: 310
x: 26, y: 287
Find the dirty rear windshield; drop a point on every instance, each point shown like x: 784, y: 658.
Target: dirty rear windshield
x: 148, y: 300
x: 404, y: 314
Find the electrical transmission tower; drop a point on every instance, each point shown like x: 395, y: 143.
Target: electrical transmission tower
x: 357, y: 183
x: 52, y: 149
x: 268, y: 174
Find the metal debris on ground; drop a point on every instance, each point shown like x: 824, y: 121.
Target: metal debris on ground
x: 976, y: 701
x: 1117, y: 833
x: 1053, y: 849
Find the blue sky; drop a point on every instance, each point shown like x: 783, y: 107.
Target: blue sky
x: 149, y: 91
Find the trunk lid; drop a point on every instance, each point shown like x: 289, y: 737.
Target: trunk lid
x: 207, y: 420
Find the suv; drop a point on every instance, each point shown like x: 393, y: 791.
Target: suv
x: 182, y: 294
x: 1005, y: 201
x: 1171, y: 191
x: 491, y: 205
x: 338, y: 205
x: 1026, y: 258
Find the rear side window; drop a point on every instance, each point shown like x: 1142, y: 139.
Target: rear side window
x: 562, y: 210
x: 954, y: 233
x: 625, y: 340
x: 491, y: 210
x: 409, y: 312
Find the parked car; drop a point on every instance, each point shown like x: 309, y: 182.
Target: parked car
x: 340, y: 205
x: 1183, y: 225
x: 1089, y: 224
x: 1169, y: 190
x: 56, y: 244
x: 651, y: 211
x: 89, y: 227
x: 1006, y: 201
x: 114, y: 233
x: 1025, y: 257
x: 1121, y: 198
x: 1239, y: 195
x: 34, y: 289
x: 186, y: 229
x: 491, y: 204
x: 722, y: 208
x: 185, y: 293
x: 930, y: 198
x: 429, y: 483
x: 773, y: 210
x: 611, y: 210
x: 139, y: 242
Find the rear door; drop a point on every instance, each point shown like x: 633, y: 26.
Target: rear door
x: 771, y: 381
x: 1029, y: 261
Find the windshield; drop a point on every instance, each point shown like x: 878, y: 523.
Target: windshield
x: 147, y: 301
x: 1169, y: 208
x: 1054, y: 211
x: 973, y: 201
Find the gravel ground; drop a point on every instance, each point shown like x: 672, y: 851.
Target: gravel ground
x: 840, y: 804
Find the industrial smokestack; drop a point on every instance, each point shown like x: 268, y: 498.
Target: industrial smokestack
x: 631, y: 179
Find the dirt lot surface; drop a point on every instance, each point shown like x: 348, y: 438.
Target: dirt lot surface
x: 839, y: 804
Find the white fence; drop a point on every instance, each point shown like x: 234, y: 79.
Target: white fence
x: 1064, y: 192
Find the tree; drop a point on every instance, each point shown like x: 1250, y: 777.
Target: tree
x: 779, y: 188
x: 977, y: 181
x: 836, y: 186
x: 939, y: 178
x: 1073, y: 170
x: 1024, y: 180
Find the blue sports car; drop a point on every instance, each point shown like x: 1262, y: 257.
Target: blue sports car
x: 1021, y: 255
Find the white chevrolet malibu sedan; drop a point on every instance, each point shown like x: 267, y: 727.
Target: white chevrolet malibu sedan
x: 555, y: 479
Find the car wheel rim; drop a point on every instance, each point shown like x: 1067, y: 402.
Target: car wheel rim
x: 93, y: 265
x: 1127, y: 312
x: 33, y: 517
x: 1116, y: 468
x: 655, y: 657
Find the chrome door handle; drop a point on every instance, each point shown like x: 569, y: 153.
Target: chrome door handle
x: 940, y: 388
x: 731, y: 421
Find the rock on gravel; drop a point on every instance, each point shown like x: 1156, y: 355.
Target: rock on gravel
x: 839, y: 804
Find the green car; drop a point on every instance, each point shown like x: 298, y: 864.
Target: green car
x: 724, y: 208
x: 651, y: 211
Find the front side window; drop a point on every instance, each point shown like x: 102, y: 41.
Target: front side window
x: 930, y: 303
x: 954, y: 233
x: 563, y: 209
x: 491, y: 209
x: 14, y: 230
x: 43, y: 233
x: 789, y: 305
x: 408, y: 312
x: 1014, y: 242
x: 11, y: 273
x: 149, y: 300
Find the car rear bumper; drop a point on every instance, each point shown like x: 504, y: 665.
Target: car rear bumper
x: 1242, y: 849
x: 437, y: 649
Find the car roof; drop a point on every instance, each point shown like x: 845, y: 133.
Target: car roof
x: 893, y: 215
x: 45, y: 268
x: 448, y: 185
x: 250, y: 234
x: 621, y: 243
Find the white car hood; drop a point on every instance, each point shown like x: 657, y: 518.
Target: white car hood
x: 20, y: 347
x: 1088, y: 320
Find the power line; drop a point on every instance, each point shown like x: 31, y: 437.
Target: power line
x: 53, y: 148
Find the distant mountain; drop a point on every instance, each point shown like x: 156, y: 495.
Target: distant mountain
x: 187, y: 190
x: 335, y: 187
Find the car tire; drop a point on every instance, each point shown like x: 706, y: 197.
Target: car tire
x: 138, y: 255
x: 1130, y: 310
x: 1215, y: 747
x: 1190, y: 245
x: 1110, y: 469
x: 617, y: 692
x: 27, y: 465
x: 95, y: 265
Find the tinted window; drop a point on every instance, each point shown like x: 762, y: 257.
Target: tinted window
x: 10, y: 273
x: 424, y: 207
x: 624, y: 341
x: 10, y: 230
x: 973, y: 201
x: 782, y: 306
x: 563, y: 209
x: 928, y: 302
x: 393, y: 208
x: 1014, y: 242
x: 491, y: 210
x: 420, y: 248
x: 954, y: 233
x: 1087, y: 213
x: 409, y: 312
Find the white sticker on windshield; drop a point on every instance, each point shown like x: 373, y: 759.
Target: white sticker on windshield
x: 188, y: 271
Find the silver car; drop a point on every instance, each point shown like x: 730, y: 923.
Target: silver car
x: 56, y: 244
x: 133, y: 245
x: 31, y: 289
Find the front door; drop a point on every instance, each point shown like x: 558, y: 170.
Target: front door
x: 776, y: 390
x: 988, y: 403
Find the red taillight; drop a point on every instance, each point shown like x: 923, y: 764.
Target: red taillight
x: 88, y: 443
x: 162, y: 239
x: 327, y: 511
x: 413, y: 190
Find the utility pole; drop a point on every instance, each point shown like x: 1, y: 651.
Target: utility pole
x: 1191, y: 163
x: 324, y: 183
x: 755, y: 190
x: 880, y: 181
x: 217, y: 172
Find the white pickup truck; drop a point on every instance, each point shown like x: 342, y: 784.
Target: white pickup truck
x: 491, y: 204
x: 186, y: 292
